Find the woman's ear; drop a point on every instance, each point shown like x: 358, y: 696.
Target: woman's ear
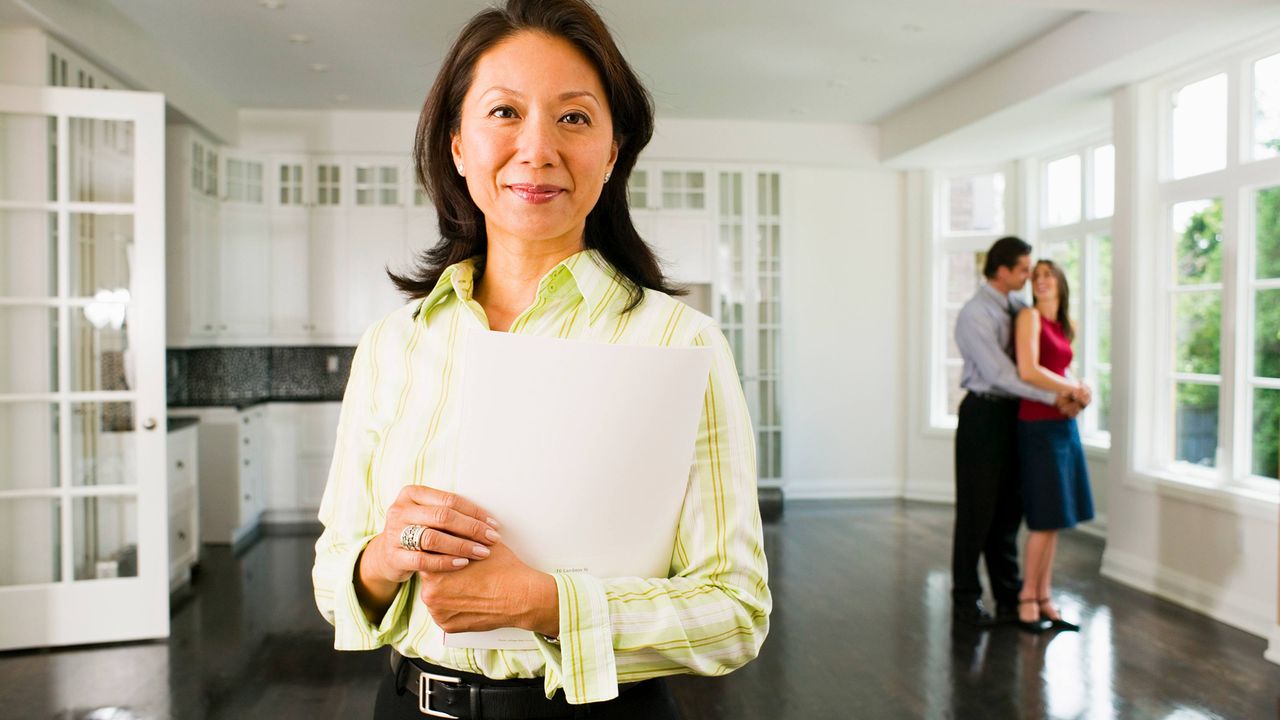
x: 455, y: 147
x: 613, y: 158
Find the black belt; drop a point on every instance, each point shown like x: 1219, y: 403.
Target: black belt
x: 990, y: 397
x: 447, y: 693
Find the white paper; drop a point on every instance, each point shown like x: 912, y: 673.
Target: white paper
x: 581, y: 451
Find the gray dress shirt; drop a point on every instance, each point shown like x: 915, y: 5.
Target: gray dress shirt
x: 984, y: 332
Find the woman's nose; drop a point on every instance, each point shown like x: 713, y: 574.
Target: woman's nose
x: 537, y: 142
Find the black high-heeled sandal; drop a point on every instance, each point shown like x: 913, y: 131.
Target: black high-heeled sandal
x: 1055, y: 623
x: 1035, y: 627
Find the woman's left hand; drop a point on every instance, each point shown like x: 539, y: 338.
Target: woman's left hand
x: 1083, y: 394
x: 500, y: 592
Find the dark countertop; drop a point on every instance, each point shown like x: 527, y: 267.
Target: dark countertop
x: 245, y: 404
x: 178, y: 423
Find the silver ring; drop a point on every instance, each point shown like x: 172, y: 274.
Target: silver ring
x: 411, y: 536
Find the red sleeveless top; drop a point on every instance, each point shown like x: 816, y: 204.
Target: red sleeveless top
x: 1055, y: 356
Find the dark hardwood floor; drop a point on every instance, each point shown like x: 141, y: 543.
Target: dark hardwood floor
x: 861, y: 629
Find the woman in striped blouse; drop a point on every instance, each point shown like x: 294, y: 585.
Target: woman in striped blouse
x: 525, y: 145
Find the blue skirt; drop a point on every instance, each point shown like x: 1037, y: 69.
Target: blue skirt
x: 1055, y: 477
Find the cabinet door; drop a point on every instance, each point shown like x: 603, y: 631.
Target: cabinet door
x: 375, y: 241
x: 329, y: 275
x: 683, y: 243
x: 245, y: 271
x: 422, y: 233
x: 204, y: 258
x: 290, y: 273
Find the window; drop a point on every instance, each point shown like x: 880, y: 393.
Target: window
x: 1077, y: 202
x: 1198, y: 127
x: 1215, y: 401
x: 1266, y: 107
x: 971, y: 217
x: 244, y: 181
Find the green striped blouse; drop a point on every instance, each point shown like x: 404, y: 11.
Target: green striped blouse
x: 399, y: 425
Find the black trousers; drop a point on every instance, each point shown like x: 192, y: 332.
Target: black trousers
x: 649, y: 700
x: 988, y: 500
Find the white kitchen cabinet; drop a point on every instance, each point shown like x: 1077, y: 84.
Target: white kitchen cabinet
x: 375, y: 241
x: 302, y: 437
x: 184, y: 505
x: 193, y: 258
x: 684, y: 242
x: 231, y: 471
x: 244, y: 290
x: 328, y: 274
x: 290, y: 276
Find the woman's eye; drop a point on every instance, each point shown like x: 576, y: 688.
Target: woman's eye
x: 576, y: 118
x: 502, y: 111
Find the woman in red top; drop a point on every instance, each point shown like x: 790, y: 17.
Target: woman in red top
x: 1055, y: 478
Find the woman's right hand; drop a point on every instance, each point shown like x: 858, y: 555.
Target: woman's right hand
x: 457, y: 532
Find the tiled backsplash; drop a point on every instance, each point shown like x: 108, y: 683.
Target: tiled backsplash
x: 234, y: 375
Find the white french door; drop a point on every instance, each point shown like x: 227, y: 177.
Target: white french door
x: 83, y: 519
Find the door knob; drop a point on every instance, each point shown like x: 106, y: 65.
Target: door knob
x: 149, y: 424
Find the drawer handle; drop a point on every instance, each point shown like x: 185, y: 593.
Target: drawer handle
x: 246, y: 463
x: 180, y: 465
x: 182, y: 535
x: 247, y: 496
x: 246, y: 441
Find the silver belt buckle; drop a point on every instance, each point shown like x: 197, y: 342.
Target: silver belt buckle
x: 424, y: 694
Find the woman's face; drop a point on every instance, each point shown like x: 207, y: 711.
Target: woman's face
x: 536, y: 139
x: 1043, y: 283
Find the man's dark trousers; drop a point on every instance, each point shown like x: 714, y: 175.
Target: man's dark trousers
x: 988, y: 500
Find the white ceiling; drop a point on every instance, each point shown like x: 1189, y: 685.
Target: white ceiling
x: 820, y: 60
x: 844, y: 61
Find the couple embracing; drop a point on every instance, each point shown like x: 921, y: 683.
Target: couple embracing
x: 1018, y: 451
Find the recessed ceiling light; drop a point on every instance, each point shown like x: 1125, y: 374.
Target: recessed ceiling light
x: 870, y: 59
x: 319, y: 67
x: 271, y: 4
x: 342, y: 98
x: 912, y: 28
x: 299, y: 38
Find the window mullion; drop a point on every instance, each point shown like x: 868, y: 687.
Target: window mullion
x: 1229, y: 427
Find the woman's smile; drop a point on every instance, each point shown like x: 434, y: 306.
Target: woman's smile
x: 536, y: 194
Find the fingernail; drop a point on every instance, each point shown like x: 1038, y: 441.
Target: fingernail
x: 460, y: 562
x: 491, y: 522
x: 492, y: 535
x: 480, y: 550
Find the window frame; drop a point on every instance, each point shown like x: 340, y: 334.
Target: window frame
x: 1237, y: 185
x: 942, y: 243
x: 1087, y: 231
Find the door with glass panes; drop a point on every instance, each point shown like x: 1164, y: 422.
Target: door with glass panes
x: 749, y: 301
x: 83, y: 519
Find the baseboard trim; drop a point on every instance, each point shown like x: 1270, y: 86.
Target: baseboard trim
x: 290, y: 517
x: 1273, y: 647
x: 933, y: 492
x: 1096, y: 527
x: 1243, y: 613
x: 844, y: 488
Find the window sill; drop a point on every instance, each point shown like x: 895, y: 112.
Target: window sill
x: 1095, y: 448
x: 1247, y: 498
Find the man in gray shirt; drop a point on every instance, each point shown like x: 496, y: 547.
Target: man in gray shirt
x: 988, y: 491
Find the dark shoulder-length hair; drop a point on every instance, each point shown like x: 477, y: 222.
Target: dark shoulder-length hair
x: 609, y: 229
x: 1064, y: 298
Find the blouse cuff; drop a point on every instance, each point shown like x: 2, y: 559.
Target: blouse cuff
x: 582, y: 661
x: 352, y: 629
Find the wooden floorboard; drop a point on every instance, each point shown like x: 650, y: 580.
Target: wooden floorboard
x: 861, y: 629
